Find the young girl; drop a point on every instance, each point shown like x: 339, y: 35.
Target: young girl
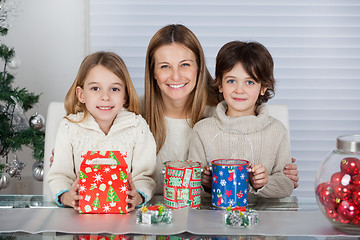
x: 242, y: 127
x: 103, y: 107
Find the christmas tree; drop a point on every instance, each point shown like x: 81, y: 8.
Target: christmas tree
x: 16, y: 131
x: 112, y: 196
x: 96, y: 202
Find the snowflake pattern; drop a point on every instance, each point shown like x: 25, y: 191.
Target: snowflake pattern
x: 106, y: 208
x: 107, y: 169
x: 82, y: 188
x: 232, y: 202
x: 98, y: 178
x: 123, y: 189
x: 222, y: 182
x: 221, y: 173
x: 242, y: 176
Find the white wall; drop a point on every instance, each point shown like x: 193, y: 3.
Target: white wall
x: 49, y: 38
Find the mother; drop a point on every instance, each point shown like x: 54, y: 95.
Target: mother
x: 179, y: 93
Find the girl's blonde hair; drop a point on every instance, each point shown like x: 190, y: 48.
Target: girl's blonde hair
x: 113, y: 63
x: 202, y: 95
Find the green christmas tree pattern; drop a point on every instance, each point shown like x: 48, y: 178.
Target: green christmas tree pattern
x: 96, y: 202
x: 123, y: 175
x: 112, y: 155
x: 97, y: 166
x: 112, y: 196
x: 82, y: 175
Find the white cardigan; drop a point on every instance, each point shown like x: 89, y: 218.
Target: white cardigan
x: 129, y: 133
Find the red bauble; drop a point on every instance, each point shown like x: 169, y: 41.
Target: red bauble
x: 348, y: 210
x: 356, y: 180
x: 350, y: 165
x: 325, y: 194
x: 356, y: 194
x: 331, y: 213
x: 340, y: 177
x: 356, y: 220
x: 343, y: 192
x: 342, y: 220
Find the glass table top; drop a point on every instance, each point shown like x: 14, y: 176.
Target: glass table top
x: 292, y: 203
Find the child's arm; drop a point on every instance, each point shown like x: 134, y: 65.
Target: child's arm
x: 279, y: 185
x: 143, y: 163
x: 61, y: 175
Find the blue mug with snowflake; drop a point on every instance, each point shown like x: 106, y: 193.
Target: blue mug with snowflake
x: 230, y: 183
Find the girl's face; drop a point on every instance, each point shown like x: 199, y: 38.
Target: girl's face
x: 175, y: 71
x: 240, y: 92
x: 103, y: 95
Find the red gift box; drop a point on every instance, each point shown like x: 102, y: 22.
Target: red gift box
x: 103, y: 182
x: 104, y: 237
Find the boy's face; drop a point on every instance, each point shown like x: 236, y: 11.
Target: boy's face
x: 240, y: 92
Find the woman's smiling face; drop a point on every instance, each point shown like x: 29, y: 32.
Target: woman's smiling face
x: 175, y: 71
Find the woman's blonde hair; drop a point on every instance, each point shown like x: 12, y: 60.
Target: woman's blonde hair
x: 202, y: 94
x: 113, y: 63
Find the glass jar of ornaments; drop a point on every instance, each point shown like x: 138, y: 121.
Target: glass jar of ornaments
x: 337, y: 185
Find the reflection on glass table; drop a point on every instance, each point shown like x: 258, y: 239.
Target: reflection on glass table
x: 26, y: 201
x: 292, y: 203
x: 183, y: 236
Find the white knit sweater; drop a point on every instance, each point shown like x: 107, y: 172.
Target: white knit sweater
x: 222, y: 136
x: 129, y: 133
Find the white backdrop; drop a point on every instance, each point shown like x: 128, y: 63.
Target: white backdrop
x: 49, y: 39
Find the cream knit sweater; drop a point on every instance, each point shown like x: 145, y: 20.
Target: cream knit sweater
x: 129, y: 133
x: 258, y: 139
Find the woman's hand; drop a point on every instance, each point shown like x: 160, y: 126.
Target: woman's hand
x: 258, y: 176
x: 291, y: 172
x: 71, y: 197
x: 134, y: 197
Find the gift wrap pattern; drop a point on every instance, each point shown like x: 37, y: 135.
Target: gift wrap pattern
x: 103, y: 237
x: 103, y: 186
x: 182, y: 184
x: 230, y: 183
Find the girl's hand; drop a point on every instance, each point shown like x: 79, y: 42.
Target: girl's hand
x: 134, y: 197
x: 206, y: 180
x: 291, y: 172
x: 258, y: 176
x: 52, y: 157
x: 71, y: 197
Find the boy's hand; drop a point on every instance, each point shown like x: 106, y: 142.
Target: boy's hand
x: 206, y: 180
x: 258, y: 176
x: 134, y: 197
